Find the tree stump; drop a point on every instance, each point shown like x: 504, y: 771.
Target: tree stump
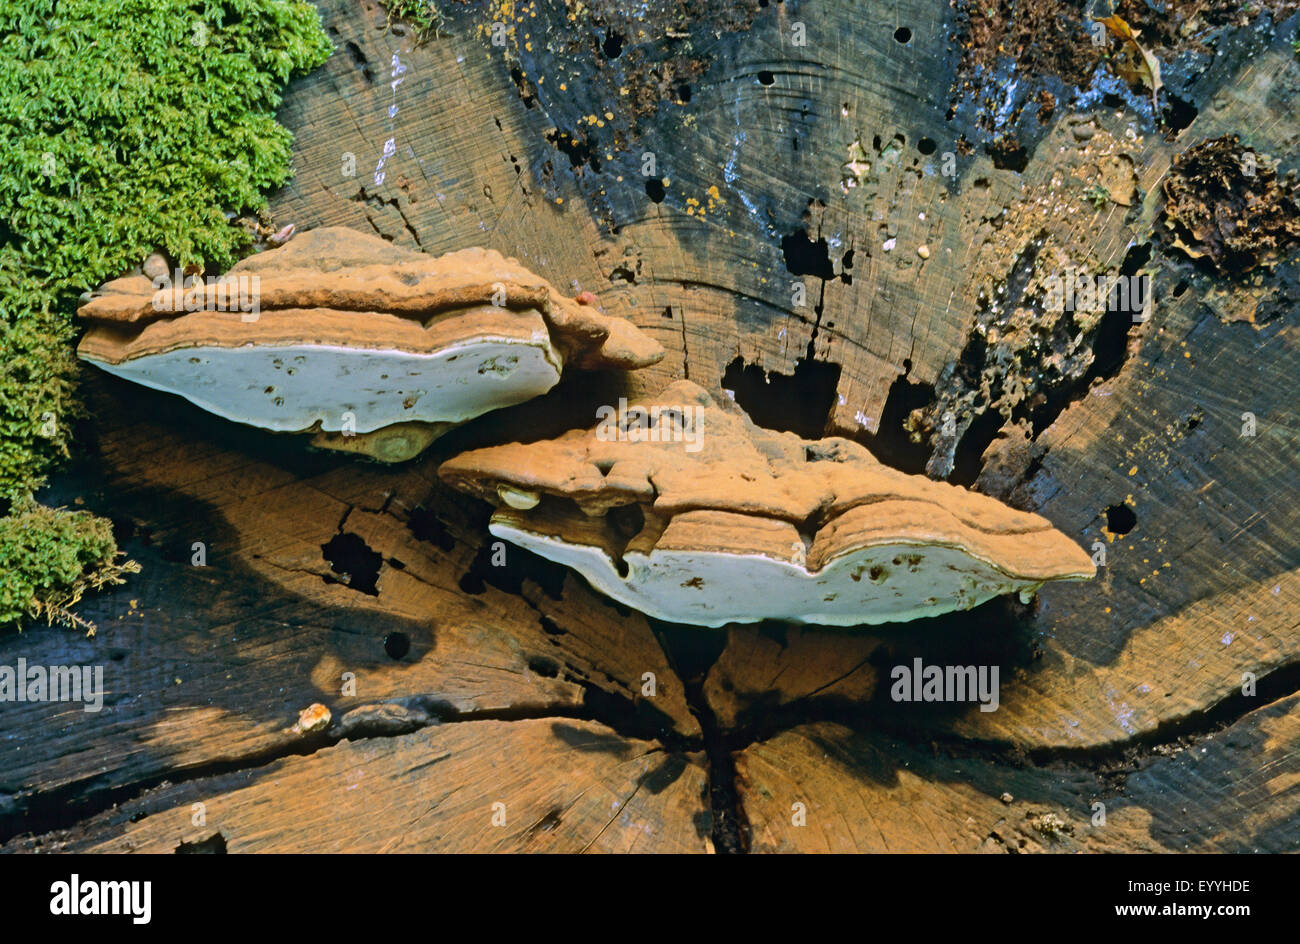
x: 836, y: 212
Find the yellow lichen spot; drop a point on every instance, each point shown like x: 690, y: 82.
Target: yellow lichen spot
x: 563, y: 87
x: 1133, y: 471
x: 609, y: 116
x: 559, y: 200
x: 528, y: 47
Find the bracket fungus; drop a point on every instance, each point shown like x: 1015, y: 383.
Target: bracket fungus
x: 374, y: 348
x: 684, y: 509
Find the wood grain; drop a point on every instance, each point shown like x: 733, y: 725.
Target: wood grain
x: 489, y: 786
x: 1235, y: 791
x: 1125, y: 690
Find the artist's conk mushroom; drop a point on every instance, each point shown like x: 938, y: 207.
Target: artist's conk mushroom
x: 374, y: 348
x: 685, y: 510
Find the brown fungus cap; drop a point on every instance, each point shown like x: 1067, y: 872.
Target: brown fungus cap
x: 374, y: 348
x: 680, y: 486
x: 335, y: 269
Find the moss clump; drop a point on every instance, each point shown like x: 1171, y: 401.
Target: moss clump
x: 1097, y: 195
x: 37, y: 367
x: 50, y: 558
x: 421, y: 14
x: 124, y: 128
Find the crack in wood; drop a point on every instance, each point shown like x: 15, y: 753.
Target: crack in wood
x: 66, y: 806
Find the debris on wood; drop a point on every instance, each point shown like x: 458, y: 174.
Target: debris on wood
x: 1134, y: 64
x: 1226, y: 206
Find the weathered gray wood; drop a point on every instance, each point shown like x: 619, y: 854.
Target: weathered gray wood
x: 488, y: 786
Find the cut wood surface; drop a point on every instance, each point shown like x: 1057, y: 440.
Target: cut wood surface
x: 210, y: 665
x: 796, y: 241
x: 484, y: 786
x: 824, y: 788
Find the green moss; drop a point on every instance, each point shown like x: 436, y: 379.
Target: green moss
x: 1097, y: 195
x: 137, y: 124
x: 125, y: 127
x: 52, y: 557
x: 37, y: 368
x: 421, y: 14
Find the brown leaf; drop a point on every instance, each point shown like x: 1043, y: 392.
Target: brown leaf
x: 1141, y: 68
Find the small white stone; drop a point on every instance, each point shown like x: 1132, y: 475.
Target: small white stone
x: 313, y: 718
x: 890, y: 243
x: 923, y: 251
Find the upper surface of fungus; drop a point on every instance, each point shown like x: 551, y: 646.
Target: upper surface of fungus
x: 338, y: 330
x: 685, y: 510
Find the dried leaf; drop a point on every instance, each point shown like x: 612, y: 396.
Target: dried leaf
x: 1144, y: 68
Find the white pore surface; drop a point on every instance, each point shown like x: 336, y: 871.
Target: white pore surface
x: 708, y: 588
x: 290, y: 387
